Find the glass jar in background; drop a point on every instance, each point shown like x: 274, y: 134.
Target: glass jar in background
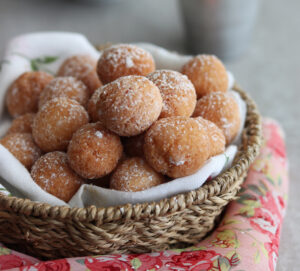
x: 220, y: 27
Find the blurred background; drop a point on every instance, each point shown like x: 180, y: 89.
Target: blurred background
x: 259, y: 41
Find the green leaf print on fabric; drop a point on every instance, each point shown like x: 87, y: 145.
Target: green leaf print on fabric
x: 36, y: 63
x: 39, y: 63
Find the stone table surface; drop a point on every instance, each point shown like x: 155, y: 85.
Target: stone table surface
x: 269, y: 71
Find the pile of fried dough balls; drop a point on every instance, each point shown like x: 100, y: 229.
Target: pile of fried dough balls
x: 118, y: 122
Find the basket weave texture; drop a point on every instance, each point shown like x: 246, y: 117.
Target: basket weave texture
x: 53, y: 232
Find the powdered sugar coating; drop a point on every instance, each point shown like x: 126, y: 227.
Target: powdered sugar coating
x: 124, y: 59
x: 56, y: 122
x: 221, y: 109
x: 53, y: 174
x: 22, y: 146
x: 94, y: 151
x: 82, y: 67
x: 177, y: 146
x: 177, y: 91
x: 99, y: 134
x: 23, y: 95
x: 129, y: 105
x: 216, y: 136
x: 134, y: 174
x: 68, y: 87
x: 22, y: 124
x: 207, y: 73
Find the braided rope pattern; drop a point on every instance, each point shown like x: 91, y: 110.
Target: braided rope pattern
x: 59, y: 231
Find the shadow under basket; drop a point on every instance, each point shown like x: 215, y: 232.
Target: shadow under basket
x: 53, y: 232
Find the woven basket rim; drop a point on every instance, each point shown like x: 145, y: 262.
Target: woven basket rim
x: 211, y: 190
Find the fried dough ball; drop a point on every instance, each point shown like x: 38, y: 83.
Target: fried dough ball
x: 22, y: 146
x: 94, y: 151
x: 207, y: 73
x: 129, y: 105
x: 92, y: 105
x: 56, y: 122
x: 177, y: 146
x: 23, y: 95
x: 82, y: 67
x: 221, y: 109
x: 177, y: 91
x: 68, y: 87
x: 53, y: 174
x: 124, y: 59
x: 22, y: 124
x: 134, y: 174
x: 133, y: 146
x: 216, y: 136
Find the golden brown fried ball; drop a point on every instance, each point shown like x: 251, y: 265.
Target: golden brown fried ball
x: 22, y: 124
x: 22, y: 146
x: 82, y: 67
x: 221, y: 109
x: 53, y: 174
x: 56, y: 122
x: 124, y: 59
x: 134, y: 174
x: 94, y: 151
x: 129, y: 105
x: 68, y: 87
x: 216, y: 136
x: 177, y: 91
x: 207, y: 73
x: 23, y: 95
x: 177, y: 146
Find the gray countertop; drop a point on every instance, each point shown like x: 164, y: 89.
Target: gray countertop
x: 269, y: 71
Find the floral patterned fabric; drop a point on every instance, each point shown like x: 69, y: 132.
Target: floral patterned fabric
x: 246, y: 239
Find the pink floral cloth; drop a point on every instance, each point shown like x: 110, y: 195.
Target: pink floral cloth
x: 246, y: 239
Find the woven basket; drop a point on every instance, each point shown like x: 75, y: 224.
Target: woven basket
x: 53, y: 232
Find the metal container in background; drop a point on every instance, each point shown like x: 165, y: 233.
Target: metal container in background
x: 220, y: 27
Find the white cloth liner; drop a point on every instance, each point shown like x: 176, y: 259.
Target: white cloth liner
x: 14, y: 176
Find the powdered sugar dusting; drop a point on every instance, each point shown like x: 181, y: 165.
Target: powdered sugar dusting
x: 129, y: 62
x: 22, y: 97
x: 222, y: 109
x: 99, y: 134
x: 78, y: 66
x: 22, y: 146
x: 177, y: 145
x: 129, y: 104
x: 134, y: 174
x: 177, y: 91
x: 53, y: 174
x: 176, y: 163
x: 217, y: 138
x: 68, y: 87
x: 125, y: 54
x: 55, y: 123
x: 94, y: 151
x: 124, y: 59
x: 207, y: 73
x: 22, y: 124
x: 82, y: 67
